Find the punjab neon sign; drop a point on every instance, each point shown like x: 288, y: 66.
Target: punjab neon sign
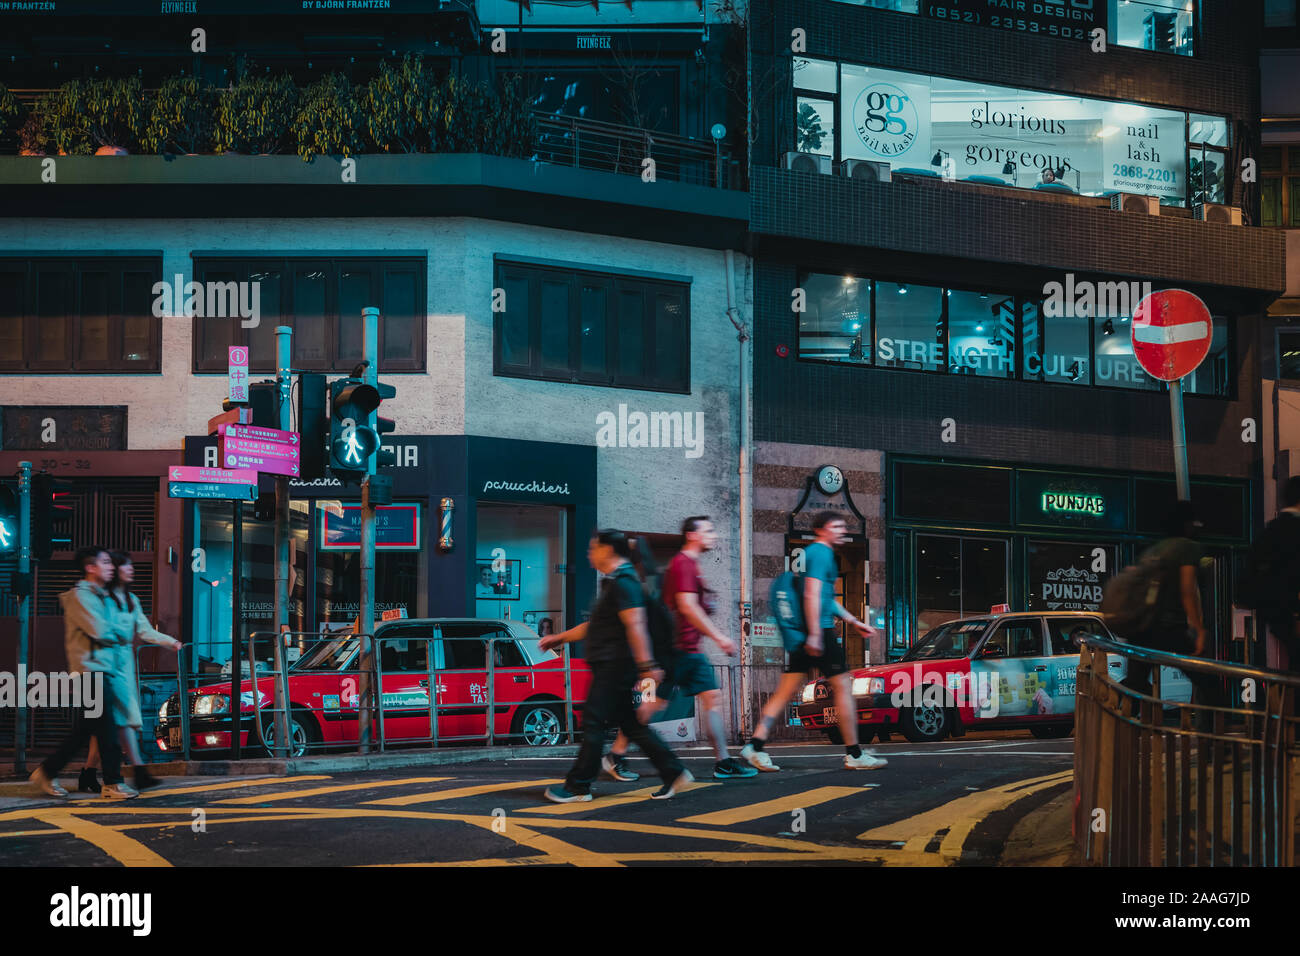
x: 1069, y: 502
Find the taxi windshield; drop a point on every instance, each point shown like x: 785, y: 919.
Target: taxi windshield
x: 328, y: 655
x: 951, y: 640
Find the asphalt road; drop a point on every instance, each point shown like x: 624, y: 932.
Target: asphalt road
x: 934, y: 805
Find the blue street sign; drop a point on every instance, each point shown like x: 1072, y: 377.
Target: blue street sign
x: 195, y: 489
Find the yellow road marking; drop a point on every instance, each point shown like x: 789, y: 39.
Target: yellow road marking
x: 438, y: 796
x: 606, y: 803
x: 122, y: 848
x: 322, y: 791
x: 769, y: 808
x: 959, y: 816
x: 205, y: 788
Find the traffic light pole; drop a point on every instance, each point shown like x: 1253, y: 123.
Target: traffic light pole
x: 283, y: 382
x: 370, y: 352
x: 24, y: 609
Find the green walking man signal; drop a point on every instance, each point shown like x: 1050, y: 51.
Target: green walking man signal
x: 354, y: 444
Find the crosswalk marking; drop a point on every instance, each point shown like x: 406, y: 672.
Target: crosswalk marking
x: 437, y: 796
x: 768, y: 808
x: 321, y: 791
x: 607, y: 803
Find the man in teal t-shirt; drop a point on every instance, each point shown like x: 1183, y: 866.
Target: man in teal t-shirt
x: 819, y: 652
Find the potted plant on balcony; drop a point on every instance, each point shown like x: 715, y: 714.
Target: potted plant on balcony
x: 105, y: 116
x: 510, y: 128
x: 402, y: 107
x: 8, y: 109
x: 34, y: 133
x: 329, y: 120
x: 255, y: 115
x: 182, y: 118
x: 461, y: 119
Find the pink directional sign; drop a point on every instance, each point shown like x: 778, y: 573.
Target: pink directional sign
x: 254, y: 433
x: 247, y: 446
x: 270, y: 464
x: 225, y: 476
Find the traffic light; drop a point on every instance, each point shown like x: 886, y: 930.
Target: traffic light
x: 51, y: 516
x: 8, y: 519
x: 385, y: 457
x: 313, y: 425
x: 352, y: 438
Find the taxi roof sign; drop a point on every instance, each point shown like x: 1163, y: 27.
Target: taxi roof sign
x: 1000, y: 609
x: 394, y: 614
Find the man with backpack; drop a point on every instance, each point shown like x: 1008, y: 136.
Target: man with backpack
x: 620, y: 656
x: 1272, y: 583
x: 691, y: 604
x: 818, y: 651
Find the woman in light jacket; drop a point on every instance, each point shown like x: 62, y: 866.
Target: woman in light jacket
x: 133, y: 625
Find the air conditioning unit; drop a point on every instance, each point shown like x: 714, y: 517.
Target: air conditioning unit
x: 1128, y: 202
x: 872, y: 172
x: 808, y: 163
x: 1213, y: 212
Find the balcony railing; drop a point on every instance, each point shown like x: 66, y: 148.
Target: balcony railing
x: 608, y: 147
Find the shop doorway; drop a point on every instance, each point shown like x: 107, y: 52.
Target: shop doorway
x: 958, y: 577
x: 522, y: 566
x: 851, y: 591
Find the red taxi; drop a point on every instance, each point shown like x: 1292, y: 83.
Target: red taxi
x: 999, y: 671
x: 528, y: 685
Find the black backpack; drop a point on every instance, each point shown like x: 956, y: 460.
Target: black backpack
x: 661, y: 625
x: 1133, y: 599
x: 1263, y: 582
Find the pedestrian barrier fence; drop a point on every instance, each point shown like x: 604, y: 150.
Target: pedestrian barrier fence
x: 397, y: 694
x: 1160, y: 783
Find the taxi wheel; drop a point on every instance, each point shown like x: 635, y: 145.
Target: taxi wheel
x: 541, y: 725
x: 1052, y: 732
x: 925, y: 723
x: 301, y: 734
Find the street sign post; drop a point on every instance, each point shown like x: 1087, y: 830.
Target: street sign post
x: 260, y: 449
x: 237, y: 373
x: 1172, y: 330
x: 212, y: 489
x: 228, y: 476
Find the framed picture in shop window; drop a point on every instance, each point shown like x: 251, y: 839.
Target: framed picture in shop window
x: 544, y: 622
x: 500, y: 585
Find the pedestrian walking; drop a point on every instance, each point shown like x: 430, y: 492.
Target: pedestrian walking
x: 126, y: 693
x: 619, y: 655
x: 691, y: 602
x: 91, y: 628
x: 1274, y: 577
x: 819, y: 652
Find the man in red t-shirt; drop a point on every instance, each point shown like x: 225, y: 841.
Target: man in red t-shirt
x: 691, y: 602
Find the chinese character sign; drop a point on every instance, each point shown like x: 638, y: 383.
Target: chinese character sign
x: 237, y: 366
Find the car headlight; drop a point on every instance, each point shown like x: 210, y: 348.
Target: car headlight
x: 863, y: 686
x: 807, y: 697
x: 208, y: 704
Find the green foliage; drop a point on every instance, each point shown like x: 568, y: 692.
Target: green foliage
x: 402, y: 107
x: 329, y: 120
x: 183, y: 117
x: 8, y: 109
x: 1207, y: 181
x: 87, y: 114
x: 809, y: 132
x: 256, y: 114
x: 511, y: 125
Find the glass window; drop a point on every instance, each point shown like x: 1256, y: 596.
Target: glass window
x: 311, y: 343
x: 1213, y: 376
x: 631, y: 334
x: 1116, y: 365
x: 354, y: 295
x: 513, y: 336
x: 947, y: 641
x: 464, y: 647
x: 981, y: 334
x: 399, y: 330
x: 1015, y: 639
x: 1270, y: 201
x: 93, y: 344
x: 909, y: 326
x: 958, y: 577
x: 1056, y: 348
x: 1205, y: 173
x: 12, y: 285
x: 555, y: 325
x: 952, y: 493
x: 836, y: 325
x: 1064, y: 633
x: 593, y: 328
x: 534, y: 536
x: 819, y: 75
x: 1207, y: 130
x: 1288, y: 354
x: 815, y: 126
x: 506, y: 652
x: 1165, y: 26
x: 1062, y: 575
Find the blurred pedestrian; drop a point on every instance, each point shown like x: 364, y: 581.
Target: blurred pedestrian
x: 619, y: 655
x: 819, y: 652
x: 91, y: 629
x: 1275, y: 566
x: 126, y: 692
x: 691, y: 602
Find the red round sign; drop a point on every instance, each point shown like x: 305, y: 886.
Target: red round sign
x: 1171, y: 332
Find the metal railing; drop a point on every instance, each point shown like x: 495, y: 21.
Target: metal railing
x: 608, y: 147
x: 1209, y: 786
x: 432, y: 686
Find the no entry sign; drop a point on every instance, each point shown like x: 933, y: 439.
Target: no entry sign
x: 1172, y: 330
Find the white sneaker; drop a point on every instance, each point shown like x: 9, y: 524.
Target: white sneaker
x: 868, y: 761
x: 118, y: 791
x: 48, y: 786
x: 757, y: 758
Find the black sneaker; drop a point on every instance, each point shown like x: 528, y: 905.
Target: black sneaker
x: 144, y: 779
x: 560, y: 794
x: 617, y: 768
x: 732, y: 769
x: 669, y: 790
x: 86, y: 782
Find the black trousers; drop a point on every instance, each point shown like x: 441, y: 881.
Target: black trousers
x: 609, y: 705
x: 84, y: 727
